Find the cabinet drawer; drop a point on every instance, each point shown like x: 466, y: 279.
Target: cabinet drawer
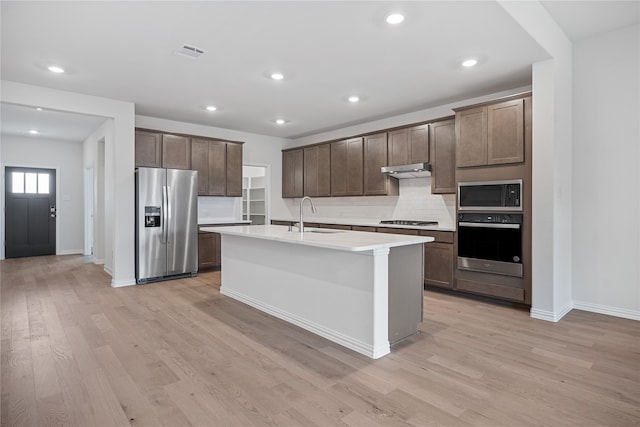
x: 335, y: 226
x: 363, y: 228
x: 439, y: 236
x: 398, y: 231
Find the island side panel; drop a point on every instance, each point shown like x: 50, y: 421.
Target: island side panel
x: 406, y: 284
x: 331, y: 293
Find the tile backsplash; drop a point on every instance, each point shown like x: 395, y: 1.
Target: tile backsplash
x: 414, y: 201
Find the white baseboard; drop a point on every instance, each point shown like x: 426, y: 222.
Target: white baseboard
x: 97, y: 261
x: 585, y: 306
x: 330, y: 334
x: 122, y: 283
x: 71, y: 252
x: 610, y: 311
x: 550, y: 316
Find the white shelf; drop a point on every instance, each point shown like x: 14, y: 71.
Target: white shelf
x: 254, y: 202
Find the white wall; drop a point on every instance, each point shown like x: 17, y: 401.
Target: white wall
x: 119, y: 165
x: 93, y: 150
x: 428, y: 114
x: 66, y: 158
x: 257, y: 150
x: 552, y: 162
x: 606, y: 182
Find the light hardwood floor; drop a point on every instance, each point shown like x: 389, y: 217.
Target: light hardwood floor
x: 77, y: 352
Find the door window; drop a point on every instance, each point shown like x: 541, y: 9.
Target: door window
x: 30, y: 183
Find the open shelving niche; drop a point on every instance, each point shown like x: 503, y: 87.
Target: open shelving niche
x: 254, y: 197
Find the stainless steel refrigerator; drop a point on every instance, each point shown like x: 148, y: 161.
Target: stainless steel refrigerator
x: 166, y: 224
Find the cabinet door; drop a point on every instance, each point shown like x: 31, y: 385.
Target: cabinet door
x: 471, y: 137
x: 317, y: 178
x: 443, y: 157
x: 234, y: 170
x: 217, y: 239
x: 206, y: 250
x: 200, y: 163
x: 148, y: 149
x: 505, y: 139
x: 176, y: 152
x: 438, y: 264
x: 217, y: 168
x: 292, y: 173
x: 399, y: 147
x: 375, y: 157
x: 419, y: 144
x: 347, y: 174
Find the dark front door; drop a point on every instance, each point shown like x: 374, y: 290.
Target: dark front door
x: 30, y: 217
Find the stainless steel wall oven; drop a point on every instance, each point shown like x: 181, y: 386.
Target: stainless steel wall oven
x: 490, y: 243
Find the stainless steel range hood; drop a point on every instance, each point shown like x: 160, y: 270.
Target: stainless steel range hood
x: 416, y: 170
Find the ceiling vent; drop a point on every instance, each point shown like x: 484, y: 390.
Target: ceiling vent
x: 189, y: 51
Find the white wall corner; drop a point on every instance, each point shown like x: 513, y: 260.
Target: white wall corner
x: 550, y: 316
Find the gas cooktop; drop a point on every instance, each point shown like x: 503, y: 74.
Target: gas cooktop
x: 408, y: 222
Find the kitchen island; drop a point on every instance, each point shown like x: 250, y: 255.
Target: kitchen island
x: 361, y: 290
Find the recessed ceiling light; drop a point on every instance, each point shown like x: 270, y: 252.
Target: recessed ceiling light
x: 38, y: 108
x: 353, y: 99
x: 34, y: 132
x: 394, y: 18
x: 211, y: 108
x: 55, y: 69
x: 469, y: 62
x: 280, y: 121
x: 277, y: 76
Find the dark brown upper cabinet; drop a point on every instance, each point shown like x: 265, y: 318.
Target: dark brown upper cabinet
x: 219, y: 166
x: 234, y: 170
x: 442, y: 136
x: 293, y: 173
x: 375, y: 157
x: 317, y: 171
x: 176, y: 152
x: 347, y: 173
x: 490, y: 134
x: 408, y: 145
x: 148, y: 149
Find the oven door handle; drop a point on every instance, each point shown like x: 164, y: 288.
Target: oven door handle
x: 488, y: 225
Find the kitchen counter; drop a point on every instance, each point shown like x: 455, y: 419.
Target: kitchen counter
x: 361, y: 290
x: 365, y: 223
x: 203, y: 222
x: 342, y: 240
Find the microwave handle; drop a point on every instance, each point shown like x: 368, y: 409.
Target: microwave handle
x: 488, y: 225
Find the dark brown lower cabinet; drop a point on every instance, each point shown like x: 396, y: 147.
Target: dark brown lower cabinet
x: 439, y: 259
x: 438, y: 264
x: 208, y: 250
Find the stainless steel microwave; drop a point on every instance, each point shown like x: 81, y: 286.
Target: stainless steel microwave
x: 490, y: 196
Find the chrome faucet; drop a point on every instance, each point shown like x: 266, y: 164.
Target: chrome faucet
x: 313, y: 209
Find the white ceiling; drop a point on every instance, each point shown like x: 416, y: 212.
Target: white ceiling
x: 57, y: 125
x: 326, y: 50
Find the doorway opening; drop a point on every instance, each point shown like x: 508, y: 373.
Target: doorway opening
x: 255, y: 194
x: 30, y: 212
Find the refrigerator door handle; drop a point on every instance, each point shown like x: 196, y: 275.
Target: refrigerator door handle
x: 164, y: 213
x: 168, y: 213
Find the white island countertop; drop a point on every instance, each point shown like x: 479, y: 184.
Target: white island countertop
x: 343, y: 240
x: 366, y: 223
